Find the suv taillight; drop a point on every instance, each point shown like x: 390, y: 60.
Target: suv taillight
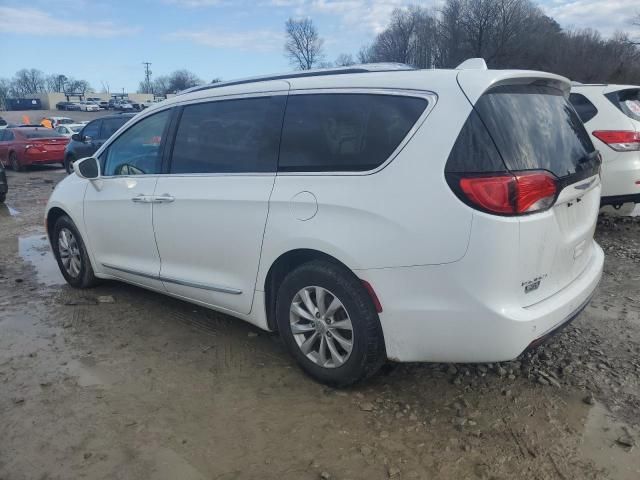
x: 515, y: 193
x: 619, y: 140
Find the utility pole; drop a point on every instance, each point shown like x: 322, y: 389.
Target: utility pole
x: 147, y: 76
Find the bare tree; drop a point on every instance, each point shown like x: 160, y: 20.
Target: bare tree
x: 76, y: 87
x: 303, y: 46
x: 55, y: 82
x: 5, y: 88
x: 344, y: 60
x: 27, y: 82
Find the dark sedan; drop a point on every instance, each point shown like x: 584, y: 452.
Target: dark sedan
x: 92, y: 136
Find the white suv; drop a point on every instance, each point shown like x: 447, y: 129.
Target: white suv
x: 363, y: 213
x: 611, y: 114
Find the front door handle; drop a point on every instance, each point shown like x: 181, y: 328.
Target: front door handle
x: 142, y: 199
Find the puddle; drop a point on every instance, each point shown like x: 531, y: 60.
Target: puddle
x: 7, y: 210
x: 599, y: 445
x: 89, y: 374
x: 35, y: 249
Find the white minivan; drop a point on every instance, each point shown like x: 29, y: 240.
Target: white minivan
x: 365, y: 213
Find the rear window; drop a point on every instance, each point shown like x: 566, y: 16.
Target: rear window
x: 46, y: 133
x: 627, y: 101
x: 535, y: 128
x: 344, y: 132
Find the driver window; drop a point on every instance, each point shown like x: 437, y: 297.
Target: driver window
x: 137, y: 150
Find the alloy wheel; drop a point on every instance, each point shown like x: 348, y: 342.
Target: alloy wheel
x: 69, y: 252
x: 321, y: 327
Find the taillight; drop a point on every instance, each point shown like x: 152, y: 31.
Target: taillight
x: 510, y: 193
x: 619, y: 140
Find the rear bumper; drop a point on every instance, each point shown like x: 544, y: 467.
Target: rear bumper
x: 431, y: 313
x: 620, y: 199
x: 48, y: 157
x: 619, y: 176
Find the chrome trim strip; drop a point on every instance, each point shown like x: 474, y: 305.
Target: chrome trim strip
x: 132, y: 272
x: 213, y: 288
x: 202, y: 286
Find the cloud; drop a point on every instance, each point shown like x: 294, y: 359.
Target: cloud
x: 371, y: 16
x: 195, y: 3
x: 31, y: 21
x: 254, y: 40
x: 606, y: 16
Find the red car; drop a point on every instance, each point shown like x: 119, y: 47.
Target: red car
x: 24, y: 146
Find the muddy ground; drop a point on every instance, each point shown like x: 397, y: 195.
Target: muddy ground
x: 121, y: 383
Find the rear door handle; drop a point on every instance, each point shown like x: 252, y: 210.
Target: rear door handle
x: 164, y: 198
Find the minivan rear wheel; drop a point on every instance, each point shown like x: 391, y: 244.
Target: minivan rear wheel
x: 329, y: 324
x: 71, y: 254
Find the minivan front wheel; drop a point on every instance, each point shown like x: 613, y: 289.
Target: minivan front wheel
x: 328, y: 322
x: 71, y: 254
x: 68, y: 164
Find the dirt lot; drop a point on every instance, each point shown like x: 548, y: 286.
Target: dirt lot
x: 121, y: 383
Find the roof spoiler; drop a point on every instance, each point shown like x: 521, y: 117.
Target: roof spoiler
x: 473, y: 64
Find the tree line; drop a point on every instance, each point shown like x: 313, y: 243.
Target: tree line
x: 31, y: 81
x: 506, y: 33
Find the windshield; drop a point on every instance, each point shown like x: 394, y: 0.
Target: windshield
x: 48, y: 133
x: 76, y: 128
x: 64, y: 121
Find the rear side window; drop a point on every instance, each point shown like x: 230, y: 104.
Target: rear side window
x: 535, y: 128
x: 229, y: 136
x: 584, y: 108
x: 627, y: 101
x: 344, y: 132
x: 92, y: 130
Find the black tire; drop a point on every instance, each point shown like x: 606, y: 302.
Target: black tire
x: 15, y: 163
x: 368, y: 352
x: 85, y: 277
x: 67, y: 164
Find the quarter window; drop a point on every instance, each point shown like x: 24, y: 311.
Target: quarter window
x: 229, y: 136
x: 137, y: 151
x: 584, y: 108
x: 345, y: 132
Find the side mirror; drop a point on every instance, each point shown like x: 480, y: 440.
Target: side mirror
x: 76, y: 137
x: 88, y: 168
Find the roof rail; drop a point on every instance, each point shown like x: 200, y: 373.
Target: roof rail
x: 473, y: 64
x: 319, y: 72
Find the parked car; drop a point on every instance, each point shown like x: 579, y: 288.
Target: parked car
x: 89, y: 107
x: 611, y: 114
x: 411, y: 215
x: 4, y: 185
x: 92, y: 135
x: 25, y: 146
x: 3, y: 123
x: 67, y: 106
x: 57, y: 121
x: 123, y: 106
x: 103, y: 104
x: 69, y: 129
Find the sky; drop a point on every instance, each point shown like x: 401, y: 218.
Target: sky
x: 106, y: 41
